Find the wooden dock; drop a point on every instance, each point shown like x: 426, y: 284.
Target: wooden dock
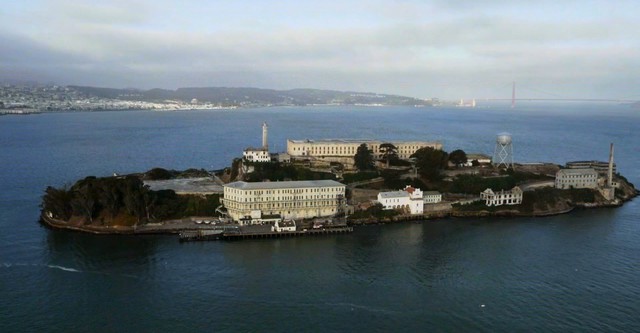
x: 206, y: 235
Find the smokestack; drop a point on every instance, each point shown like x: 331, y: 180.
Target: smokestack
x: 610, y: 173
x: 265, y: 144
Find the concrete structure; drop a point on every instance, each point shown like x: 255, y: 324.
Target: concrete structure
x: 409, y: 199
x: 348, y: 148
x: 576, y: 178
x: 431, y: 197
x: 512, y: 197
x: 262, y: 202
x: 281, y: 157
x: 503, y: 154
x: 481, y: 158
x: 259, y: 155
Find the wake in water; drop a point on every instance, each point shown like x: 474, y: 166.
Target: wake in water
x: 62, y: 268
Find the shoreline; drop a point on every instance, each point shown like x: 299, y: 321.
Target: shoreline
x: 181, y: 226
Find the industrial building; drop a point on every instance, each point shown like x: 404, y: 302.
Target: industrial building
x: 576, y: 178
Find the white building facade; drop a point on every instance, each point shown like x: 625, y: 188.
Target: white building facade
x: 348, y: 148
x: 258, y: 155
x: 512, y: 197
x: 409, y: 199
x: 255, y: 202
x: 576, y: 178
x: 432, y: 197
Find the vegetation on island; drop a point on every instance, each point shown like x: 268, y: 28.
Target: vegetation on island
x: 376, y: 212
x: 163, y: 174
x: 363, y: 159
x: 122, y: 201
x: 430, y: 162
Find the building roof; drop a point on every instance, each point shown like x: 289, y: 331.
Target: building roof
x: 430, y: 193
x: 393, y: 194
x: 360, y: 141
x: 578, y: 171
x: 472, y: 157
x: 261, y: 149
x: 283, y: 185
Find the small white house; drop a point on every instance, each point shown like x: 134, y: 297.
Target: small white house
x: 431, y: 197
x: 409, y: 198
x: 512, y: 197
x: 256, y: 155
x: 284, y: 225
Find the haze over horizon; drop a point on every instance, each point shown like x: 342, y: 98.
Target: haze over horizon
x: 447, y: 49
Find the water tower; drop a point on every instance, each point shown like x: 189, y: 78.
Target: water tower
x: 503, y: 155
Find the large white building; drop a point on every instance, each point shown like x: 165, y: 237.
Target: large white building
x: 409, y: 199
x: 576, y: 178
x: 257, y: 202
x: 348, y: 148
x: 512, y: 197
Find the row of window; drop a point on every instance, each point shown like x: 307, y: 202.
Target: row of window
x: 300, y: 198
x: 286, y: 191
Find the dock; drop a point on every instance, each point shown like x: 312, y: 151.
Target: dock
x: 231, y: 235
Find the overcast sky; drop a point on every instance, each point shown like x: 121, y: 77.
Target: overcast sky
x: 447, y: 49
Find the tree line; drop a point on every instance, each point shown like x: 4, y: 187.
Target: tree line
x: 122, y: 201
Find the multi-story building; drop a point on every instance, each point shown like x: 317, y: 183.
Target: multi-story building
x: 576, y: 178
x: 257, y: 202
x: 348, y: 148
x: 601, y: 167
x: 432, y: 197
x: 409, y: 199
x: 512, y: 197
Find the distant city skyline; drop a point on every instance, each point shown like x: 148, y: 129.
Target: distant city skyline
x: 446, y: 49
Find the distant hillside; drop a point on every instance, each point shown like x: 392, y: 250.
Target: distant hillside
x: 251, y: 96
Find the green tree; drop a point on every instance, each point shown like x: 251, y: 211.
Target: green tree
x: 458, y: 157
x: 363, y: 158
x: 58, y: 202
x: 84, y: 200
x: 389, y: 152
x: 430, y: 162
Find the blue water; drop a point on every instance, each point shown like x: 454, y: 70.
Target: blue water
x: 576, y: 272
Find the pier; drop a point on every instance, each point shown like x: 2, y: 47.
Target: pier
x: 207, y: 235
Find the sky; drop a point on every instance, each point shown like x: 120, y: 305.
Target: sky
x: 449, y: 49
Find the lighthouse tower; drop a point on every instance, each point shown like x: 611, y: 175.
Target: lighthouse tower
x: 265, y: 143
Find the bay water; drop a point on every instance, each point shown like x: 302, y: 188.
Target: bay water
x: 574, y: 272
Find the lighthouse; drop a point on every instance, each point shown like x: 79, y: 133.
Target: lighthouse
x: 265, y: 143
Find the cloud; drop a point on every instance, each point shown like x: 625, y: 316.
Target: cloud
x: 464, y: 49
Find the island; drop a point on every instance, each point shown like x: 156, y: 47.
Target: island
x: 322, y: 187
